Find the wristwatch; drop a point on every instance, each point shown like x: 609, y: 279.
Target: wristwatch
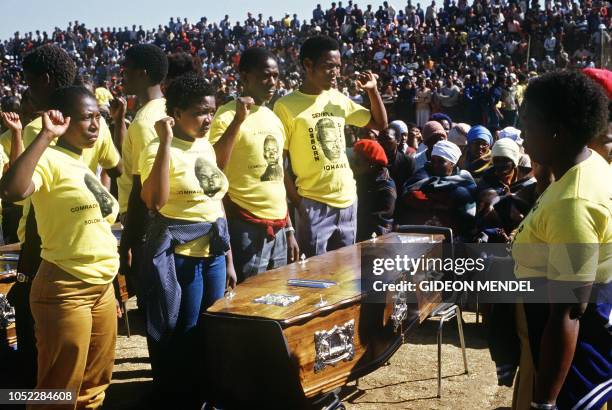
x: 289, y: 229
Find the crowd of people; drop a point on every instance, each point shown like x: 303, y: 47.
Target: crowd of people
x: 227, y: 150
x: 470, y: 61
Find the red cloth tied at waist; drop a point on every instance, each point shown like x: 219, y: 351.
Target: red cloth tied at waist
x: 272, y: 225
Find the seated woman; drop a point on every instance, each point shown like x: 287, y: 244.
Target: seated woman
x: 503, y: 198
x: 440, y: 193
x: 375, y: 190
x: 478, y: 157
x: 72, y: 297
x: 187, y: 260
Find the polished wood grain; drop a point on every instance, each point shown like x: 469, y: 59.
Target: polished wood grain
x: 342, y: 266
x: 375, y: 337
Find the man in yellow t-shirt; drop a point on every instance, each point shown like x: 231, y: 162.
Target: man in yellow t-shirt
x: 144, y: 69
x: 314, y: 118
x: 248, y: 140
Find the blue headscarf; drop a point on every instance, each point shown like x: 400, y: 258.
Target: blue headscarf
x: 479, y: 132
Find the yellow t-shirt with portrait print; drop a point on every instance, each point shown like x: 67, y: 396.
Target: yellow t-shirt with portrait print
x: 255, y: 167
x: 314, y: 127
x: 74, y: 214
x: 103, y: 153
x: 567, y: 236
x: 140, y: 133
x: 197, y: 187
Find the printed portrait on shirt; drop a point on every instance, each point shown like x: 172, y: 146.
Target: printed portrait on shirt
x: 271, y: 153
x: 329, y: 138
x: 209, y: 177
x: 103, y: 198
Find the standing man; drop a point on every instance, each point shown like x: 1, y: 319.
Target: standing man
x: 248, y: 140
x: 144, y: 69
x: 314, y: 117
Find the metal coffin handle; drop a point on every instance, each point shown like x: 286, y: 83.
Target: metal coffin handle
x: 334, y: 345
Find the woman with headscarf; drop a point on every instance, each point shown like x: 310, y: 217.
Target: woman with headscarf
x: 478, y: 157
x: 440, y: 193
x: 503, y: 199
x: 566, y: 242
x: 432, y: 133
x: 458, y: 136
x: 375, y: 189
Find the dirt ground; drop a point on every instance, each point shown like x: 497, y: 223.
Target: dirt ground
x: 407, y: 382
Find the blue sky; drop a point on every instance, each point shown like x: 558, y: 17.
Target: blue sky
x: 29, y: 15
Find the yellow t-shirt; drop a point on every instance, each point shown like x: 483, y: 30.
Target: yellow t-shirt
x: 103, y: 96
x: 314, y: 126
x: 74, y: 213
x: 255, y: 166
x: 103, y: 153
x: 140, y: 134
x: 197, y: 187
x: 6, y: 140
x: 567, y: 236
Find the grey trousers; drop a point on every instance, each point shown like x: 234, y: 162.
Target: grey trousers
x: 320, y: 228
x: 252, y: 251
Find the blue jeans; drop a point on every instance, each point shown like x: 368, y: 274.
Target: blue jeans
x: 253, y: 251
x: 177, y: 362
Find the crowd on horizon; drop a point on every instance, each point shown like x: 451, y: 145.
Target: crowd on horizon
x: 460, y: 58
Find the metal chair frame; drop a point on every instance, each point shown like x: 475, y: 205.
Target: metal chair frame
x: 445, y: 312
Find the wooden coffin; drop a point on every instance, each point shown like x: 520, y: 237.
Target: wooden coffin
x: 286, y: 356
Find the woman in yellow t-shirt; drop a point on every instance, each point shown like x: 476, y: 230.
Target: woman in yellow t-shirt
x: 72, y: 297
x: 187, y: 260
x: 566, y: 242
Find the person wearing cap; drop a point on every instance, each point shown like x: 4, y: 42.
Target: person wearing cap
x: 400, y: 166
x: 478, y: 156
x: 376, y: 190
x: 504, y: 172
x: 440, y: 193
x: 432, y: 133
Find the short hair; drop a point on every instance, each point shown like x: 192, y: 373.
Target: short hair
x: 10, y: 103
x: 186, y: 90
x: 572, y: 100
x: 67, y: 99
x: 180, y: 63
x: 254, y: 57
x: 52, y: 60
x: 315, y: 47
x: 148, y: 57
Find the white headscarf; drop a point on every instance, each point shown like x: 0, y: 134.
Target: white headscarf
x: 447, y: 150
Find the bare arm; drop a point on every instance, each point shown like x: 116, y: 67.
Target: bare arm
x: 13, y: 122
x: 156, y: 189
x: 223, y: 147
x: 17, y: 184
x: 118, y: 109
x: 367, y: 81
x: 290, y: 187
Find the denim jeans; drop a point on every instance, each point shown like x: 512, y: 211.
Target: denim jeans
x: 253, y: 251
x: 176, y: 362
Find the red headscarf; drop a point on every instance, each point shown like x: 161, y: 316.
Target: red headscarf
x: 372, y: 150
x: 603, y: 77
